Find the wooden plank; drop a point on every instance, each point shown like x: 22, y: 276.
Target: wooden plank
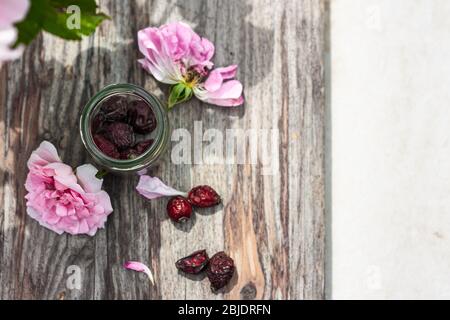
x: 271, y: 223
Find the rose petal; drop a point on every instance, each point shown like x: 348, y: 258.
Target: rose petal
x: 229, y: 94
x: 142, y: 172
x: 152, y: 188
x: 226, y: 102
x: 214, y: 81
x: 158, y: 59
x: 229, y: 90
x: 139, y: 267
x: 35, y: 215
x: 46, y: 153
x: 83, y: 227
x: 12, y: 11
x: 61, y: 210
x: 228, y: 72
x: 104, y: 200
x: 87, y: 179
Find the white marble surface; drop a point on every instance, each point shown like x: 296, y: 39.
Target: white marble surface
x: 390, y: 149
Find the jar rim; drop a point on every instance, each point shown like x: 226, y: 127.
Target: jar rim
x: 151, y: 154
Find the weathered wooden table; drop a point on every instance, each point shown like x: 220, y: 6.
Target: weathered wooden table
x: 271, y: 224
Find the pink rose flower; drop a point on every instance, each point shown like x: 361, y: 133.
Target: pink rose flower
x: 11, y: 11
x: 61, y: 200
x: 176, y: 55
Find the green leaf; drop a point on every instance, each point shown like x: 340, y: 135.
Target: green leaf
x: 52, y: 16
x: 101, y: 173
x: 179, y: 93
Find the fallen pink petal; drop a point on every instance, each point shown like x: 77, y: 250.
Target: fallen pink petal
x: 153, y: 188
x: 139, y: 267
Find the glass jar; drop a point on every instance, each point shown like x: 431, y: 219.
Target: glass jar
x: 160, y: 134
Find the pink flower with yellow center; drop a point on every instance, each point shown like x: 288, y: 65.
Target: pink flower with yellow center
x: 176, y: 55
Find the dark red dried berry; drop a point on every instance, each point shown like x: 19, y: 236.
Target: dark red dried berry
x: 193, y: 263
x: 179, y: 209
x: 121, y: 134
x: 114, y: 108
x: 142, y: 146
x: 138, y: 149
x: 220, y: 270
x: 97, y: 122
x: 141, y: 117
x: 203, y: 196
x: 106, y: 146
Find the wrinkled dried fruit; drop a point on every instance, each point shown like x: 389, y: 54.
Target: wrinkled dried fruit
x: 142, y: 146
x: 97, y: 122
x: 141, y: 117
x: 220, y: 270
x: 203, y: 196
x: 114, y: 108
x: 194, y: 263
x: 106, y: 146
x: 121, y: 134
x: 179, y: 209
x: 136, y: 151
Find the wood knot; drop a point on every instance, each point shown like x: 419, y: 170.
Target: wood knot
x: 248, y: 292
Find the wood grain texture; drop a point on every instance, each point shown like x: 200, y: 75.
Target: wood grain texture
x: 271, y: 223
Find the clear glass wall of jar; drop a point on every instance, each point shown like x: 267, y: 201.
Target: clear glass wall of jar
x: 160, y: 135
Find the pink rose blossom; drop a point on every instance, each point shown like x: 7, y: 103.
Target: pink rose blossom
x: 61, y: 200
x: 11, y: 11
x: 176, y: 55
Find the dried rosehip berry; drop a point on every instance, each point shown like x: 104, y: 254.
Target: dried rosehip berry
x: 114, y: 108
x: 220, y: 270
x: 141, y: 117
x: 97, y: 122
x: 203, y: 196
x: 121, y: 134
x: 193, y: 263
x: 142, y: 146
x: 179, y: 209
x: 106, y: 146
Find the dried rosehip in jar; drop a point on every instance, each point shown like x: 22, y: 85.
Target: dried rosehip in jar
x: 193, y: 263
x: 220, y: 270
x: 179, y: 209
x: 121, y: 134
x: 142, y: 146
x: 203, y: 196
x: 141, y: 117
x: 106, y: 146
x: 97, y: 122
x: 114, y: 108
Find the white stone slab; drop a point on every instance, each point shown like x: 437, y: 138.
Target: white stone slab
x: 390, y: 119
